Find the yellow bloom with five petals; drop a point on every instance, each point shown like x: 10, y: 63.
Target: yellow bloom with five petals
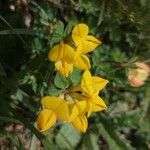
x: 90, y: 87
x: 87, y: 43
x: 91, y: 84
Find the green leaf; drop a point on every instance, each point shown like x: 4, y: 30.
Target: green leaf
x: 36, y: 44
x: 18, y: 31
x: 60, y: 28
x: 60, y: 81
x: 115, y: 33
x: 30, y: 80
x: 68, y: 137
x: 43, y: 15
x: 54, y: 92
x: 33, y: 143
x: 16, y: 141
x: 58, y: 33
x: 68, y: 29
x: 13, y: 138
x: 90, y: 141
x: 8, y: 119
x: 143, y: 2
x: 106, y: 129
x: 118, y: 56
x: 76, y: 76
x: 42, y: 12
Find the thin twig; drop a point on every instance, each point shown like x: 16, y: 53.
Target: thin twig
x: 7, y: 23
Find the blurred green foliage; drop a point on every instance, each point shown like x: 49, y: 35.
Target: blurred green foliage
x: 26, y: 74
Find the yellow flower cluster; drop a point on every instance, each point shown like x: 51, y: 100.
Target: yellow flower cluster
x: 77, y: 102
x: 66, y: 56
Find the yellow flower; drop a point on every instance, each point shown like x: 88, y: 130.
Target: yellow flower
x: 53, y: 107
x: 89, y: 89
x: 75, y: 105
x: 87, y: 43
x: 46, y: 119
x: 77, y: 115
x: 94, y: 102
x: 90, y: 84
x: 63, y: 55
x: 78, y: 102
x: 88, y: 100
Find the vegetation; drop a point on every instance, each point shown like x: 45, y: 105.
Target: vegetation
x: 29, y: 29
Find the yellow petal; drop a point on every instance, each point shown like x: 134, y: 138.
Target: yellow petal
x: 90, y: 44
x: 99, y: 83
x: 77, y: 108
x: 82, y: 62
x: 59, y: 106
x: 79, y: 49
x: 89, y: 114
x: 80, y: 123
x: 61, y: 52
x: 97, y: 104
x: 64, y: 68
x: 79, y: 33
x: 74, y: 112
x: 45, y: 120
x: 87, y: 83
x: 51, y: 102
x: 69, y: 53
x: 56, y: 53
x: 82, y: 106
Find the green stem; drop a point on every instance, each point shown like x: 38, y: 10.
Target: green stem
x: 7, y: 23
x: 26, y: 123
x: 48, y: 145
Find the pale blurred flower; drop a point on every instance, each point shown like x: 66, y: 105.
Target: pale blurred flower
x: 27, y: 20
x: 143, y: 66
x: 138, y: 75
x: 12, y: 7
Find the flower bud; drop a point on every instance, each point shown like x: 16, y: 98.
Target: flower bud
x: 143, y: 66
x: 138, y: 75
